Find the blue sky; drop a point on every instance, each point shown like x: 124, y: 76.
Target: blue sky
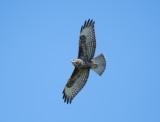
x: 39, y: 38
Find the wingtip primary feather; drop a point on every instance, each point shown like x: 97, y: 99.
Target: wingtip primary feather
x: 91, y: 22
x: 87, y: 23
x: 66, y: 99
x: 84, y: 24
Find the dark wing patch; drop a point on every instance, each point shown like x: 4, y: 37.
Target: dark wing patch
x: 87, y: 41
x: 81, y: 44
x: 75, y: 84
x: 75, y: 72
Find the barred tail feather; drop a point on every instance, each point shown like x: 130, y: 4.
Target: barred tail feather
x: 101, y: 61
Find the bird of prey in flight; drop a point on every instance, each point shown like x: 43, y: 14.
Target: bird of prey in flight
x: 84, y: 62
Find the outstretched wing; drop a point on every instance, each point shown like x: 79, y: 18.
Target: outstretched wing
x: 87, y: 40
x: 76, y: 82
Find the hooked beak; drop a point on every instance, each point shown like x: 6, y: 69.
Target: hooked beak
x: 71, y: 60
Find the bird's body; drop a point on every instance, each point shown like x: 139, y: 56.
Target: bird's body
x: 84, y: 62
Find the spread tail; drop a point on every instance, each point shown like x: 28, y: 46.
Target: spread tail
x: 101, y: 61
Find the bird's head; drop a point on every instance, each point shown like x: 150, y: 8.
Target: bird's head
x: 77, y: 62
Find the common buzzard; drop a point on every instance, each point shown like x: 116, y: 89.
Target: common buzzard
x: 84, y: 62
